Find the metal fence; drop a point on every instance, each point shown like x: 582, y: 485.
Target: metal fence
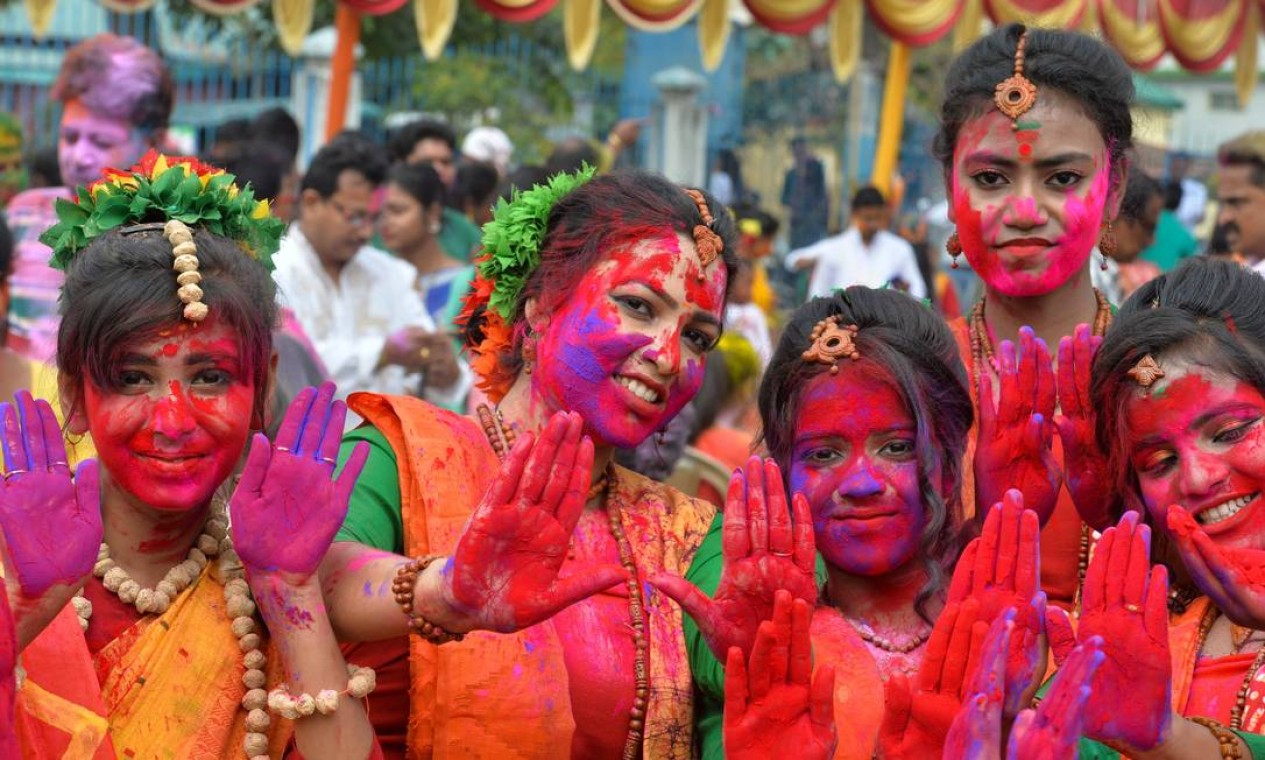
x: 229, y: 79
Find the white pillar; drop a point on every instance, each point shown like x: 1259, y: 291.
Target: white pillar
x: 678, y: 147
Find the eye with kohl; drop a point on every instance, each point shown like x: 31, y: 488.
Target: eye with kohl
x: 627, y: 347
x: 173, y: 422
x: 1030, y: 203
x: 1196, y: 442
x: 855, y: 459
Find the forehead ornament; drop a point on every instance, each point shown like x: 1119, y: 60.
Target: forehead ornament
x: 706, y: 241
x: 832, y: 342
x: 1016, y: 95
x: 1146, y: 371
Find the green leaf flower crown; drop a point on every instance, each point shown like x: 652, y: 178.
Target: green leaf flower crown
x: 162, y: 188
x: 511, y: 241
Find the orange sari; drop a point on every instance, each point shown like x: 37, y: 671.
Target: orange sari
x: 168, y: 687
x: 507, y: 696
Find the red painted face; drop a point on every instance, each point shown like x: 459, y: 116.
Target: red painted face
x: 1195, y: 439
x: 1029, y: 203
x: 626, y: 348
x: 174, y: 425
x: 855, y: 459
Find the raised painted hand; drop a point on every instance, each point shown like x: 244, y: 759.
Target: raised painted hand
x: 976, y: 730
x: 918, y: 716
x: 1016, y: 431
x: 504, y: 573
x: 777, y: 707
x: 51, y: 521
x: 1002, y: 570
x: 1085, y: 467
x: 1052, y: 730
x: 288, y: 506
x: 1124, y: 601
x: 765, y: 549
x: 1233, y: 578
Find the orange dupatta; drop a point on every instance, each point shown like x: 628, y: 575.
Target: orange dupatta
x: 507, y: 696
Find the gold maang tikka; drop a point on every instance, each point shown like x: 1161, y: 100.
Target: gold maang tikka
x: 831, y: 342
x: 1016, y: 95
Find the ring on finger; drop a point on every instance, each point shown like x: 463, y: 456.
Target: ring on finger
x: 1131, y: 607
x: 424, y: 353
x: 279, y: 447
x: 11, y: 473
x: 779, y: 554
x: 329, y: 460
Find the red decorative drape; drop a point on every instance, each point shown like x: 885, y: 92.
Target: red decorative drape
x: 655, y: 15
x: 1059, y: 14
x: 790, y: 16
x: 1133, y: 28
x: 223, y: 7
x: 516, y: 10
x: 1202, y: 34
x: 915, y: 22
x: 374, y: 7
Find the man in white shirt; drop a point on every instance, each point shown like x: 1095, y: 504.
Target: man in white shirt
x: 357, y: 304
x: 865, y: 254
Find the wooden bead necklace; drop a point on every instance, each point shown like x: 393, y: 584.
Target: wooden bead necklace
x: 1240, y: 697
x: 502, y: 438
x: 887, y: 645
x: 641, y: 639
x: 214, y: 542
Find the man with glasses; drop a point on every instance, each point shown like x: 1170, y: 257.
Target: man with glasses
x: 358, y: 304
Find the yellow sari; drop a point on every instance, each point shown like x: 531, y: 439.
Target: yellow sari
x: 168, y: 687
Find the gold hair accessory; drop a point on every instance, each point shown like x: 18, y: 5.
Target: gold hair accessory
x: 185, y: 252
x: 1016, y: 95
x: 831, y: 342
x: 1146, y: 371
x: 708, y: 243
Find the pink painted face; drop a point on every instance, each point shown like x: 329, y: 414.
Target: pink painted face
x: 1029, y: 203
x: 1196, y: 440
x: 89, y: 142
x: 626, y: 348
x: 855, y: 459
x: 174, y: 425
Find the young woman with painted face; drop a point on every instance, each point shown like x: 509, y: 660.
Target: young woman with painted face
x: 590, y: 322
x: 872, y: 447
x: 1034, y: 175
x: 1179, y: 383
x: 161, y: 652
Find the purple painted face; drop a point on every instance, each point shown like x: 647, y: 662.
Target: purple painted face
x: 90, y: 141
x: 855, y: 459
x: 626, y: 348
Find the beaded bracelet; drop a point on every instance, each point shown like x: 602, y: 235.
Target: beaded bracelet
x: 360, y: 683
x: 404, y: 586
x: 1229, y: 741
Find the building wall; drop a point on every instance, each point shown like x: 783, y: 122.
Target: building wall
x: 1211, y: 114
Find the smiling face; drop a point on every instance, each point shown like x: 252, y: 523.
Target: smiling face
x: 625, y: 348
x: 89, y: 141
x: 855, y: 459
x: 1196, y: 441
x: 1029, y: 204
x: 176, y: 418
